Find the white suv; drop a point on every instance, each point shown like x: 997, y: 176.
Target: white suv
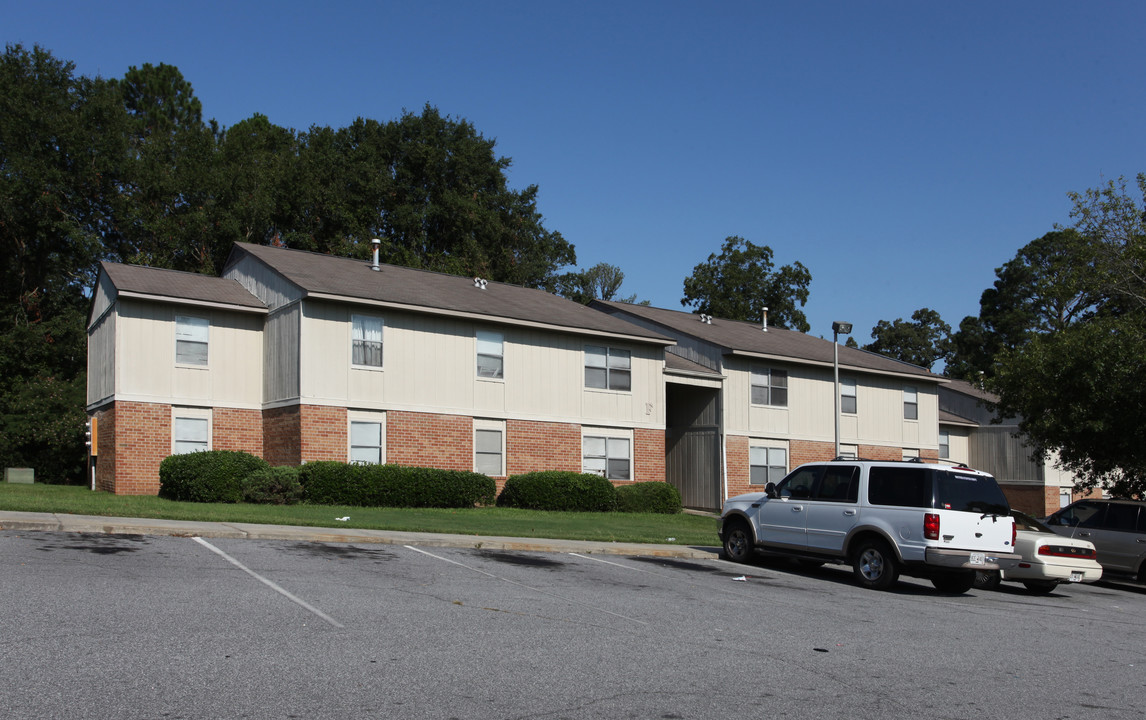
x: 883, y: 518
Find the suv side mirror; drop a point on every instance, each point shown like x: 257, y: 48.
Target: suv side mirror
x: 770, y: 490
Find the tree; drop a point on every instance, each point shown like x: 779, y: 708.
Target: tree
x: 740, y: 282
x: 61, y: 145
x: 1078, y: 385
x: 447, y: 206
x: 924, y: 341
x: 600, y: 282
x: 1051, y: 283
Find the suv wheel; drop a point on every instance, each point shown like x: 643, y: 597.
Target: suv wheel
x: 874, y: 565
x: 987, y: 579
x: 737, y: 541
x: 955, y: 583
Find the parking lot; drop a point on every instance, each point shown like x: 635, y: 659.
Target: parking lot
x: 107, y: 626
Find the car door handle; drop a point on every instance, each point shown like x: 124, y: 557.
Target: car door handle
x: 1084, y: 534
x: 849, y: 512
x: 797, y: 508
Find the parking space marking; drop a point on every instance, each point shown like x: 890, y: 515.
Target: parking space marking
x: 268, y: 583
x: 527, y: 587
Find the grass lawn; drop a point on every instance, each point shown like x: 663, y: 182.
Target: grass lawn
x: 682, y: 529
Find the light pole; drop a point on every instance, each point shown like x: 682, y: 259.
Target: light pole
x: 846, y: 329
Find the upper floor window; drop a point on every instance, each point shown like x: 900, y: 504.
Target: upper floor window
x: 848, y: 396
x: 366, y: 347
x: 607, y: 367
x: 770, y: 387
x: 191, y: 340
x: 910, y: 404
x: 490, y: 354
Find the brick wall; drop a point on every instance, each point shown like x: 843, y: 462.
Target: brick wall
x: 739, y: 468
x: 233, y: 429
x: 649, y: 455
x: 430, y: 440
x: 105, y: 444
x: 140, y: 437
x: 281, y: 433
x: 535, y: 446
x: 324, y: 433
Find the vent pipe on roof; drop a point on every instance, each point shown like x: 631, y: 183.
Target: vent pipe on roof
x: 479, y: 283
x: 377, y: 244
x: 764, y: 321
x: 706, y: 319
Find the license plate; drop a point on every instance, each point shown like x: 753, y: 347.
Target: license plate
x: 978, y: 558
x: 1076, y: 576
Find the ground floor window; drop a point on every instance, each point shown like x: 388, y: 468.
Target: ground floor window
x: 767, y: 464
x: 607, y: 456
x: 366, y: 442
x: 191, y: 434
x: 489, y: 447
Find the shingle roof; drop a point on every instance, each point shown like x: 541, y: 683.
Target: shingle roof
x: 178, y: 285
x: 965, y: 388
x: 354, y: 280
x: 676, y: 362
x: 738, y: 337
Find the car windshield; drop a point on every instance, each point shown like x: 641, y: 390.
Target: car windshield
x: 1028, y: 523
x: 969, y: 493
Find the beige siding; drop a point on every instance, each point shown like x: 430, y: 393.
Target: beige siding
x: 810, y: 414
x: 430, y: 365
x: 960, y: 445
x: 997, y: 450
x: 101, y: 359
x: 145, y: 348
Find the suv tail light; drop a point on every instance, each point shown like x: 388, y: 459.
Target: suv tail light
x: 1014, y: 533
x: 931, y: 526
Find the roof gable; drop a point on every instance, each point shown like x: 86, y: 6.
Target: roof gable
x: 328, y: 277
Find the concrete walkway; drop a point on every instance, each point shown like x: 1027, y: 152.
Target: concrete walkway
x: 53, y: 522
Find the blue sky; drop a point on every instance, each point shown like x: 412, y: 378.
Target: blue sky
x: 901, y: 150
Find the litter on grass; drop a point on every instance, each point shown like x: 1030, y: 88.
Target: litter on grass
x: 343, y: 519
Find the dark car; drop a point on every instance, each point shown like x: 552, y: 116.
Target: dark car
x: 1116, y: 527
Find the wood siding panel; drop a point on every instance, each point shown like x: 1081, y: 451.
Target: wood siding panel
x: 262, y: 282
x: 281, y: 353
x: 101, y: 359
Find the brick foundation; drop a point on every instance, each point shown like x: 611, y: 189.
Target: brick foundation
x: 133, y: 438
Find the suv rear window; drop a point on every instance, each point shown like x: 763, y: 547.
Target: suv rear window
x: 969, y: 493
x: 929, y: 488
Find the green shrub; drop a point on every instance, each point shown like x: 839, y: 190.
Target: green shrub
x: 559, y: 490
x: 210, y: 476
x: 333, y: 483
x: 272, y: 486
x: 648, y: 497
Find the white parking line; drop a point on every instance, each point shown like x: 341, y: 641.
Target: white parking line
x: 268, y: 583
x: 527, y: 587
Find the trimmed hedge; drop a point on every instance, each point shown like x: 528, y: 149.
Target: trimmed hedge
x: 559, y: 490
x: 273, y: 486
x: 649, y: 497
x: 209, y: 476
x: 335, y: 483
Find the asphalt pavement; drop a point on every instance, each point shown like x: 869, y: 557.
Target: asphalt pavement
x: 58, y: 522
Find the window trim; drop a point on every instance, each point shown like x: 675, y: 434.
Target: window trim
x: 913, y: 403
x: 366, y: 418
x: 196, y: 414
x: 478, y: 354
x: 845, y: 384
x: 196, y: 323
x: 497, y: 426
x: 354, y: 318
x: 769, y: 387
x: 768, y: 449
x: 609, y: 368
x: 608, y: 434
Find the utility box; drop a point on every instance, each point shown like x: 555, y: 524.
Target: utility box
x: 20, y: 475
